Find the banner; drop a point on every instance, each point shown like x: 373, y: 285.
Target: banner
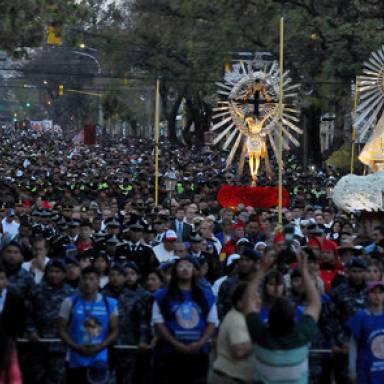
x: 42, y: 125
x: 90, y: 134
x: 257, y: 197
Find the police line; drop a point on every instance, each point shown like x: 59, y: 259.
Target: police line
x: 135, y: 347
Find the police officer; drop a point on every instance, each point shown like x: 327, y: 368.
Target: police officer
x: 133, y: 325
x: 19, y: 279
x: 138, y: 252
x: 46, y: 299
x: 116, y: 284
x: 348, y: 297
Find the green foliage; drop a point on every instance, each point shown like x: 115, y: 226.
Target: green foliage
x: 186, y: 42
x: 341, y: 158
x: 23, y: 22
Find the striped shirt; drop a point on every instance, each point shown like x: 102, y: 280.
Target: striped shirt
x: 281, y: 360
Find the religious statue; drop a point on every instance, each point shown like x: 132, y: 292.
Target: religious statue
x: 249, y: 117
x: 369, y: 116
x: 365, y: 194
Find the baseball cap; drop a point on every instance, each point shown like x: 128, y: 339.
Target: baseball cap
x: 374, y: 284
x: 71, y: 260
x: 250, y: 253
x: 136, y: 227
x: 170, y: 235
x: 232, y: 258
x: 119, y: 268
x: 132, y: 265
x: 314, y: 230
x: 260, y: 244
x: 242, y: 241
x: 56, y: 263
x: 357, y: 262
x: 74, y: 223
x: 10, y: 212
x: 195, y: 238
x: 112, y: 222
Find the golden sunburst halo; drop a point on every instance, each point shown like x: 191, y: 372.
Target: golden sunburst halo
x: 371, y: 94
x: 230, y: 115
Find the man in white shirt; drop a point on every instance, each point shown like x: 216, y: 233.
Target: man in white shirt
x: 328, y: 220
x: 206, y: 230
x: 231, y: 267
x: 164, y: 251
x: 37, y: 265
x: 190, y: 214
x: 9, y: 225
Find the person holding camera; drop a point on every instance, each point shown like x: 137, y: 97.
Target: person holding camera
x: 282, y: 346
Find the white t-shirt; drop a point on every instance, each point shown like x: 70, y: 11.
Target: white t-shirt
x: 12, y: 228
x: 233, y: 331
x: 217, y: 284
x: 162, y: 255
x: 103, y: 281
x: 37, y: 273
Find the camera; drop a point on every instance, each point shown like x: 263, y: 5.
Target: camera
x: 288, y: 255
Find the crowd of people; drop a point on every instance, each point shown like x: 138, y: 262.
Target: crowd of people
x: 100, y: 285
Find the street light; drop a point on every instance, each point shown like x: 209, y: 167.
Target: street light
x: 100, y: 107
x: 170, y: 180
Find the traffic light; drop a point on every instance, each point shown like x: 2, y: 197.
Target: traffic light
x: 54, y: 35
x: 28, y: 104
x: 125, y: 79
x: 61, y: 89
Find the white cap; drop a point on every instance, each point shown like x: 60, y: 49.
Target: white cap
x: 260, y: 244
x: 232, y: 258
x: 169, y: 235
x: 242, y: 240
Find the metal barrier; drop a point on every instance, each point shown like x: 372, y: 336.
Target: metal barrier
x: 24, y: 340
x: 135, y: 347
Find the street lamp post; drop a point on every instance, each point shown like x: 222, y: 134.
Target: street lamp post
x: 170, y: 179
x: 100, y: 107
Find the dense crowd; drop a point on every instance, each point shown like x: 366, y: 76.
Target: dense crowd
x: 99, y: 285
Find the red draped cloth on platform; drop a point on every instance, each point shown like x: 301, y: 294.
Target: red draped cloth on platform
x: 257, y: 197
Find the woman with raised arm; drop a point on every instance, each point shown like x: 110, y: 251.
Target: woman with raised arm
x: 282, y: 347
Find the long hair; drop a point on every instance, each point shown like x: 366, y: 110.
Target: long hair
x: 174, y: 294
x: 281, y: 320
x: 275, y: 277
x: 6, y: 353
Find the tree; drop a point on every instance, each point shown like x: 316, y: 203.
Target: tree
x: 54, y: 66
x: 23, y: 22
x: 185, y: 43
